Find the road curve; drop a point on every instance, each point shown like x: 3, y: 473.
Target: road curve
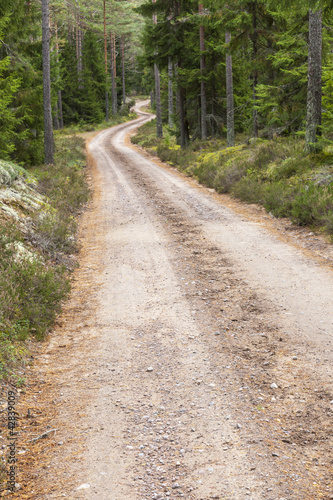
x: 198, y: 360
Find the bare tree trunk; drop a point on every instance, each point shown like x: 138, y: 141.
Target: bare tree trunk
x: 230, y: 96
x: 106, y: 66
x: 61, y: 118
x: 255, y: 72
x: 183, y: 141
x: 170, y: 93
x: 59, y: 122
x: 78, y: 41
x: 113, y: 73
x: 123, y: 67
x: 47, y: 106
x: 56, y: 125
x: 314, y: 93
x: 159, y: 127
x: 203, y: 83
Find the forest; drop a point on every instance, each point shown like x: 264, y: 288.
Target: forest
x: 217, y: 69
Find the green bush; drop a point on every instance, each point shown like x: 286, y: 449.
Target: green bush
x: 248, y: 189
x: 65, y: 186
x: 31, y: 288
x: 277, y: 198
x: 305, y: 205
x: 227, y: 176
x: 288, y: 167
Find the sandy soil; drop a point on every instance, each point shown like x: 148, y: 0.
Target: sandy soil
x: 194, y: 358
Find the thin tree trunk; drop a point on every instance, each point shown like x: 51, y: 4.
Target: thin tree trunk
x: 181, y: 105
x: 56, y: 124
x: 203, y: 83
x: 78, y: 46
x: 255, y: 72
x: 230, y: 96
x: 47, y: 106
x: 183, y: 141
x: 113, y: 73
x: 170, y: 93
x: 61, y: 118
x: 123, y: 67
x: 106, y: 66
x: 159, y: 127
x: 314, y: 92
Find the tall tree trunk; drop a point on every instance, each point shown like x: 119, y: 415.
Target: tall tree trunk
x: 255, y: 72
x: 47, y: 106
x: 230, y: 96
x: 78, y: 34
x: 59, y: 122
x: 159, y: 127
x: 170, y: 93
x: 113, y: 73
x: 183, y: 141
x: 61, y: 118
x: 314, y: 93
x: 106, y: 65
x: 123, y: 67
x: 181, y: 105
x: 202, y: 74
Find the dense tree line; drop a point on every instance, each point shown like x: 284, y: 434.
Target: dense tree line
x: 216, y: 68
x: 89, y: 66
x: 246, y: 66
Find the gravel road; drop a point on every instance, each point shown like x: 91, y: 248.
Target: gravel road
x: 198, y: 347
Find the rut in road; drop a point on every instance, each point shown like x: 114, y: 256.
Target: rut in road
x: 174, y: 375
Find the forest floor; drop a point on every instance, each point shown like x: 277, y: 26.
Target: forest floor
x: 194, y: 358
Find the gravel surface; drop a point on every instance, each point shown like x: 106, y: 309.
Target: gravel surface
x: 194, y: 359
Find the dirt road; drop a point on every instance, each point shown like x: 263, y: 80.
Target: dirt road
x: 195, y: 357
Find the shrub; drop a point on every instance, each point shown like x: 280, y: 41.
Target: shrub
x: 288, y: 167
x: 31, y: 289
x: 226, y: 177
x: 305, y: 205
x: 248, y: 189
x: 277, y: 198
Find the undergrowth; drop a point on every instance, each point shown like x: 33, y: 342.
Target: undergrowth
x: 37, y: 254
x: 274, y: 173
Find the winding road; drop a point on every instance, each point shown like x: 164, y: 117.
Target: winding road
x: 198, y: 347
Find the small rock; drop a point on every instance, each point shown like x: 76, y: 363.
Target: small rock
x: 238, y: 426
x: 274, y: 386
x: 295, y: 357
x: 150, y: 369
x: 275, y: 454
x: 84, y: 486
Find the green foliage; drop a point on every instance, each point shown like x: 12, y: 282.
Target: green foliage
x: 8, y: 87
x: 35, y: 259
x: 31, y: 289
x: 54, y: 229
x: 21, y: 116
